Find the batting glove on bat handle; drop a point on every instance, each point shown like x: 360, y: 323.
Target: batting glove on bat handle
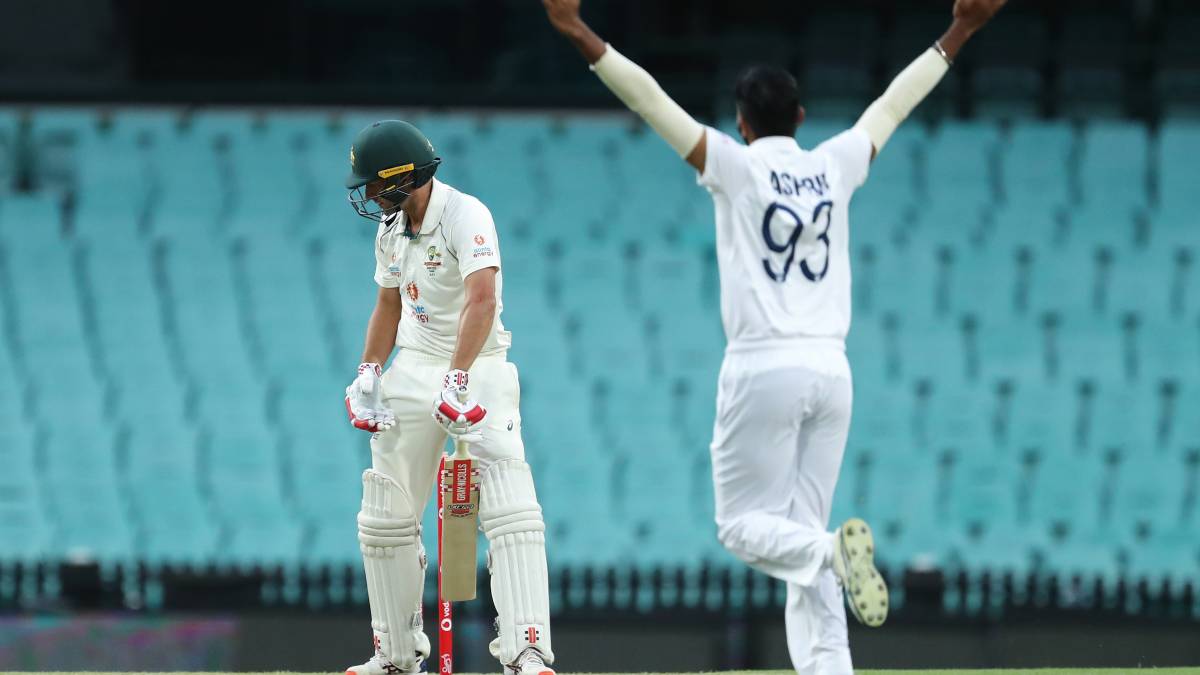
x: 364, y: 400
x: 454, y: 409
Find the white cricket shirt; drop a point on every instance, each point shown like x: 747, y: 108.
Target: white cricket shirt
x: 783, y: 234
x: 457, y: 237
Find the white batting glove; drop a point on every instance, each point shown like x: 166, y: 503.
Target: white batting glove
x: 455, y: 410
x: 364, y: 400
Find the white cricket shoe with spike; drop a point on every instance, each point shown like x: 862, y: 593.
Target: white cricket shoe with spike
x: 854, y: 565
x: 529, y: 663
x: 380, y: 665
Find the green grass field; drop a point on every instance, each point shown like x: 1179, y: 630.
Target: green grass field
x: 999, y: 671
x: 1002, y: 671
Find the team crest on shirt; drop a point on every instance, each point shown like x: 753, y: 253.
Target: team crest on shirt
x: 414, y: 293
x: 479, y: 240
x: 433, y: 260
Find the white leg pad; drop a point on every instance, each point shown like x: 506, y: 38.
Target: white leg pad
x: 389, y: 537
x: 512, y: 521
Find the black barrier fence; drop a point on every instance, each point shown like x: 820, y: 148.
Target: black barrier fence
x: 697, y: 618
x: 714, y: 590
x: 675, y: 642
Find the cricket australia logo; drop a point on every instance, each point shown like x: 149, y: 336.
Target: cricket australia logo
x: 433, y: 260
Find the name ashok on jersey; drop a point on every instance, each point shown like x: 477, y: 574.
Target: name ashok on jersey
x: 786, y: 184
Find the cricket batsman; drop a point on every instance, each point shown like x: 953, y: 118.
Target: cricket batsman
x: 437, y: 264
x: 784, y: 395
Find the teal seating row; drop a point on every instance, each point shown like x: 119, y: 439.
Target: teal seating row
x: 191, y: 292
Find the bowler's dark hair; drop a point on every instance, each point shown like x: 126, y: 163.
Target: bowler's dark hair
x: 768, y: 97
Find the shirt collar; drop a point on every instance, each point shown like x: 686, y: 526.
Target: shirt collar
x: 438, y: 195
x: 436, y: 206
x: 775, y: 142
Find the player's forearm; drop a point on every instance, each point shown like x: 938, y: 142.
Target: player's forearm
x: 586, y: 41
x: 642, y: 94
x: 955, y: 37
x: 381, y: 333
x: 905, y: 93
x: 474, y: 326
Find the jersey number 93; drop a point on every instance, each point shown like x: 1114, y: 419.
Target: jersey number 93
x: 792, y: 224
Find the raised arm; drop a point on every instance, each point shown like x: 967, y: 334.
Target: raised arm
x: 633, y: 85
x: 915, y: 82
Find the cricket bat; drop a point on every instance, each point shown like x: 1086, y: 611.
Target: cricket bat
x: 445, y: 613
x: 460, y: 524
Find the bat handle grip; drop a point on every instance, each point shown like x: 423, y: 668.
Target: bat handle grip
x: 461, y: 447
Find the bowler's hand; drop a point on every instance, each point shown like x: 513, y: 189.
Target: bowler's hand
x: 975, y: 13
x: 563, y: 15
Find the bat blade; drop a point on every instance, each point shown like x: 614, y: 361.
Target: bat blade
x: 460, y: 526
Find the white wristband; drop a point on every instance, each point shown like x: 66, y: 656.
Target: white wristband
x: 641, y: 93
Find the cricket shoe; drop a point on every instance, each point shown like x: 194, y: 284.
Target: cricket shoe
x: 528, y: 663
x: 380, y: 665
x: 854, y: 565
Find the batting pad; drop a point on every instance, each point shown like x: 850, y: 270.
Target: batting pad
x: 390, y: 540
x: 512, y: 521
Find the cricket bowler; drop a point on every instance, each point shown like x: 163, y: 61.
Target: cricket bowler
x: 785, y: 392
x: 437, y: 264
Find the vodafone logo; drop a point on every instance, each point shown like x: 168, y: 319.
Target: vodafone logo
x: 447, y: 624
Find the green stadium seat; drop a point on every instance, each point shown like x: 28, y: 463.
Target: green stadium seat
x: 1044, y: 418
x: 101, y: 532
x: 670, y: 277
x: 591, y: 273
x: 1178, y: 143
x: 1035, y: 162
x: 983, y: 520
x: 1087, y: 347
x: 1123, y: 417
x: 1009, y: 347
x: 1027, y: 364
x: 1181, y: 426
x: 25, y: 532
x: 961, y: 160
x: 690, y: 340
x: 1077, y: 547
x: 600, y: 336
x: 174, y: 527
x: 1115, y: 165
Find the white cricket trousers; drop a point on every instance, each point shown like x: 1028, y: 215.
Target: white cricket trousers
x: 783, y: 414
x: 409, y: 453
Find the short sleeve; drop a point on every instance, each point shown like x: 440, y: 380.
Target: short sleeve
x: 384, y: 276
x: 851, y: 152
x: 724, y: 162
x: 473, y: 239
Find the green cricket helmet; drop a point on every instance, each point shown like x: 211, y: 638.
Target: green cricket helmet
x: 392, y: 151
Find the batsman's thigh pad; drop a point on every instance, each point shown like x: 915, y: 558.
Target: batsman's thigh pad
x: 512, y: 521
x: 389, y: 536
x: 497, y: 386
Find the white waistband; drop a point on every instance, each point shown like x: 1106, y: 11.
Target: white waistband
x: 414, y: 356
x: 786, y: 345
